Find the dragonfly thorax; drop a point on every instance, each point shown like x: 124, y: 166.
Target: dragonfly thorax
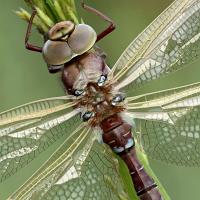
x: 87, y: 78
x: 97, y: 102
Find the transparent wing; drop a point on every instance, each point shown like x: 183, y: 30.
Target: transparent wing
x: 167, y: 124
x: 29, y: 129
x: 165, y: 46
x: 81, y: 169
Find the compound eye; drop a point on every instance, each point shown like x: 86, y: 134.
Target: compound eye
x: 56, y: 52
x: 82, y: 38
x: 87, y: 116
x: 60, y: 30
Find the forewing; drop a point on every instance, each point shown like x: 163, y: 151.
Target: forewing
x: 167, y: 124
x: 27, y: 130
x: 80, y: 169
x: 165, y: 46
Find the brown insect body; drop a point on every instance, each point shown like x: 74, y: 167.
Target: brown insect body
x: 116, y: 132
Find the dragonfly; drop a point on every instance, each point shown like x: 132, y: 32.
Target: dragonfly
x: 96, y: 120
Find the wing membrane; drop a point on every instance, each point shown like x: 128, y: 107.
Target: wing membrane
x: 168, y: 124
x: 80, y: 169
x: 27, y: 130
x: 170, y: 42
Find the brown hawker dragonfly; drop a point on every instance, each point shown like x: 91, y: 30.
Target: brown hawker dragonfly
x: 164, y: 124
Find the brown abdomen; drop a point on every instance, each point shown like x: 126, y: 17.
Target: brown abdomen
x: 117, y: 134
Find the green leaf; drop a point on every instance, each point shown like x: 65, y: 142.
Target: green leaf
x: 49, y: 12
x: 51, y: 8
x: 44, y: 18
x: 127, y: 180
x: 143, y: 159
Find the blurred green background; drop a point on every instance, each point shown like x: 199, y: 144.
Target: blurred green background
x: 24, y: 77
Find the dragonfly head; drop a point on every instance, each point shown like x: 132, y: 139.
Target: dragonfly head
x: 66, y: 40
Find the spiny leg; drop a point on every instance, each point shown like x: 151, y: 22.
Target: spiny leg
x: 111, y: 26
x: 28, y: 33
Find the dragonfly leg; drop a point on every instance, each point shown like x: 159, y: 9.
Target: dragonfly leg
x: 28, y: 33
x: 111, y: 26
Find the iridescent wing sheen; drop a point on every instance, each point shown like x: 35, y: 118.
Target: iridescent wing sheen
x: 165, y: 46
x: 81, y: 169
x: 167, y: 124
x: 29, y: 129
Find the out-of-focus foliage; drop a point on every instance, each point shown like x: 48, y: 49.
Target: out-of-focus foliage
x: 49, y: 12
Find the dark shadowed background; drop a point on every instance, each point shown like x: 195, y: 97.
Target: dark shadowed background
x: 24, y: 77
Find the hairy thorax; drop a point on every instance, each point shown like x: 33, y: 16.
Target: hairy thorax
x: 86, y: 78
